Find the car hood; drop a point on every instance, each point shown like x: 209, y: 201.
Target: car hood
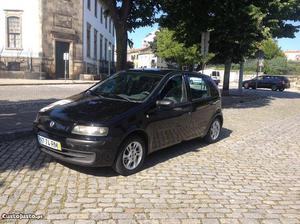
x: 86, y: 108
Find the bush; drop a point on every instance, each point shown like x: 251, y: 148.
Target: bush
x: 276, y: 66
x: 294, y: 68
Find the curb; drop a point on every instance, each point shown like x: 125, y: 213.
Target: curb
x: 14, y: 135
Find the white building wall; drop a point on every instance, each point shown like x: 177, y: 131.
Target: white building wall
x: 30, y: 11
x: 292, y: 55
x: 95, y: 22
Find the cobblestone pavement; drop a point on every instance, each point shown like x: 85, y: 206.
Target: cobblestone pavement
x: 252, y: 175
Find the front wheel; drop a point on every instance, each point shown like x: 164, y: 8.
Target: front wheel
x: 131, y: 156
x: 214, y: 131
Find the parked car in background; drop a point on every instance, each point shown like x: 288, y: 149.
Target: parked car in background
x: 133, y: 113
x: 215, y: 75
x: 273, y: 82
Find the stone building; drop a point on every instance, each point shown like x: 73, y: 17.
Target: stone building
x: 35, y: 34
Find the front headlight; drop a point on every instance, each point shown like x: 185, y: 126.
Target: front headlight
x: 57, y: 103
x: 90, y: 130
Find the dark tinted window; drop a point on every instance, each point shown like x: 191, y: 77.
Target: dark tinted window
x: 134, y: 86
x: 199, y: 88
x: 174, y: 90
x: 214, y: 90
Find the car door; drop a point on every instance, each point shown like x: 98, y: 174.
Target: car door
x: 199, y: 93
x: 266, y: 82
x: 169, y: 125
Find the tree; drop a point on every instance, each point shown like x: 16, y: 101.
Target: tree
x: 236, y: 26
x: 271, y: 49
x: 166, y: 47
x: 127, y: 16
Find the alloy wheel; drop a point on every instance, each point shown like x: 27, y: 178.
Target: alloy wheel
x: 132, y: 155
x: 215, y: 130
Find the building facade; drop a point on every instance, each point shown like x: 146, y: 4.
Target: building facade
x: 145, y: 57
x: 35, y: 34
x: 292, y: 55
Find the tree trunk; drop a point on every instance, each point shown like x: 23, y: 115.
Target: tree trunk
x: 226, y: 80
x: 241, y: 75
x: 122, y: 39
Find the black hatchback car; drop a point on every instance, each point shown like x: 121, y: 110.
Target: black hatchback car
x: 273, y: 82
x: 119, y: 121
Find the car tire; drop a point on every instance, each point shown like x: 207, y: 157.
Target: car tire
x: 214, y: 131
x: 246, y: 86
x: 274, y: 88
x: 131, y: 156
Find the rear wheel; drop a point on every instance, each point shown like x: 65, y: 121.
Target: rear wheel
x: 131, y: 156
x: 246, y: 85
x: 214, y: 131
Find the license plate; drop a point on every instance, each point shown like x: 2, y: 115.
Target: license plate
x: 49, y: 143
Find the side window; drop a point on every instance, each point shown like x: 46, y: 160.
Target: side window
x: 174, y: 90
x: 198, y: 87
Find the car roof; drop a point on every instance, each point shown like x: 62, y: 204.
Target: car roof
x: 154, y: 71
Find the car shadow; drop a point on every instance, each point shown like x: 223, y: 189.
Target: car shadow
x: 166, y: 154
x: 153, y: 159
x: 255, y: 98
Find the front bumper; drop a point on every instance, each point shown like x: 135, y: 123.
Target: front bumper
x: 98, y: 153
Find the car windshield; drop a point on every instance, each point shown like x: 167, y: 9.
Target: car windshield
x: 129, y: 86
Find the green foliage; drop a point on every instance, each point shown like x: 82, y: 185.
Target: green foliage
x: 276, y: 66
x: 271, y: 49
x: 236, y: 26
x: 294, y: 68
x: 166, y: 47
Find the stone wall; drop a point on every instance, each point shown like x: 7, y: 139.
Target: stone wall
x: 62, y: 21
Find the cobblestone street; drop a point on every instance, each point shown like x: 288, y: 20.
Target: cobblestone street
x: 252, y: 175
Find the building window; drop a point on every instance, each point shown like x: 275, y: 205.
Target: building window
x: 14, y: 32
x: 101, y: 46
x: 96, y: 9
x: 95, y: 44
x: 105, y: 50
x: 101, y: 15
x: 89, y: 4
x: 105, y: 16
x: 109, y: 25
x: 88, y: 40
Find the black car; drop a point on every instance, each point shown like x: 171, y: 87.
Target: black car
x: 273, y: 82
x: 119, y: 121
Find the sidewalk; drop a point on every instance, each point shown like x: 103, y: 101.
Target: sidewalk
x: 13, y: 82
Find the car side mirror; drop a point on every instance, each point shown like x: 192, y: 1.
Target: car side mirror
x: 164, y: 103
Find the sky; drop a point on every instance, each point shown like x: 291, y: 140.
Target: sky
x: 139, y: 34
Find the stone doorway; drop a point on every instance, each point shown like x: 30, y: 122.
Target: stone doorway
x: 60, y: 49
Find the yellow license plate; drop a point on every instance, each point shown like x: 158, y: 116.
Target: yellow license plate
x: 49, y: 143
